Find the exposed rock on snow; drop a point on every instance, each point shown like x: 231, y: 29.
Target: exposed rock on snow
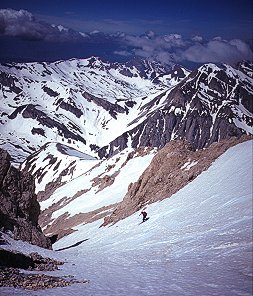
x: 19, y: 208
x: 65, y: 224
x: 167, y: 174
x: 12, y: 277
x: 33, y: 261
x: 11, y: 261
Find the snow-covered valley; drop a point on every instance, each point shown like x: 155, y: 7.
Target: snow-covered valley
x: 96, y: 142
x: 198, y: 242
x: 126, y: 148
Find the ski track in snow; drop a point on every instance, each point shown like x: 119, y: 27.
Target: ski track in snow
x: 198, y: 242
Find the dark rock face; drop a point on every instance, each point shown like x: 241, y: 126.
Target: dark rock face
x: 19, y: 208
x: 202, y: 109
x: 8, y: 80
x: 50, y: 92
x: 71, y: 108
x: 113, y: 109
x: 16, y: 260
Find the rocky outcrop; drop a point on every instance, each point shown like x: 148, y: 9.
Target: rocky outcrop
x: 32, y: 262
x: 10, y: 276
x: 19, y: 208
x: 173, y: 167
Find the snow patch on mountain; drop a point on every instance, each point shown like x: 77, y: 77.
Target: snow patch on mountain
x: 96, y: 198
x: 57, y: 162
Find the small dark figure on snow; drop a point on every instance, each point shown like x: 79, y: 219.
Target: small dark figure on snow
x: 144, y: 216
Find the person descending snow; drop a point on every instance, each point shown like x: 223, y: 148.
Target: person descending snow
x: 144, y: 216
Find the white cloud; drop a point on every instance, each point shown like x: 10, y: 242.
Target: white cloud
x: 19, y: 23
x: 122, y: 53
x: 164, y: 48
x: 218, y: 51
x: 173, y: 48
x: 197, y: 39
x: 23, y: 24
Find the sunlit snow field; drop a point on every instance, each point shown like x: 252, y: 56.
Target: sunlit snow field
x: 198, y: 242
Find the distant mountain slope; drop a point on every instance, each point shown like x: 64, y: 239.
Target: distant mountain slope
x: 55, y: 164
x: 82, y: 103
x: 211, y: 104
x: 101, y: 108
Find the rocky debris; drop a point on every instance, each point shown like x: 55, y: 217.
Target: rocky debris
x: 19, y: 208
x: 15, y: 260
x: 33, y: 261
x: 65, y: 223
x: 2, y: 240
x: 11, y: 277
x: 44, y: 263
x: 173, y: 167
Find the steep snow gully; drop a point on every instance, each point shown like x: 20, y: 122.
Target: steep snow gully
x: 198, y: 242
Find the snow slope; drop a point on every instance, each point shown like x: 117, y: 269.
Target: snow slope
x: 198, y: 242
x: 104, y: 184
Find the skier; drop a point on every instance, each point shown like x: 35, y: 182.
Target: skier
x: 144, y: 216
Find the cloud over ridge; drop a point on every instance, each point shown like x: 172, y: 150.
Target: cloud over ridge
x: 174, y: 48
x: 21, y: 23
x: 167, y: 48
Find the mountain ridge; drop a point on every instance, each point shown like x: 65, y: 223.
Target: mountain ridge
x: 96, y: 106
x: 76, y: 98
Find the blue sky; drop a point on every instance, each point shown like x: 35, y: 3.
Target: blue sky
x: 227, y: 20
